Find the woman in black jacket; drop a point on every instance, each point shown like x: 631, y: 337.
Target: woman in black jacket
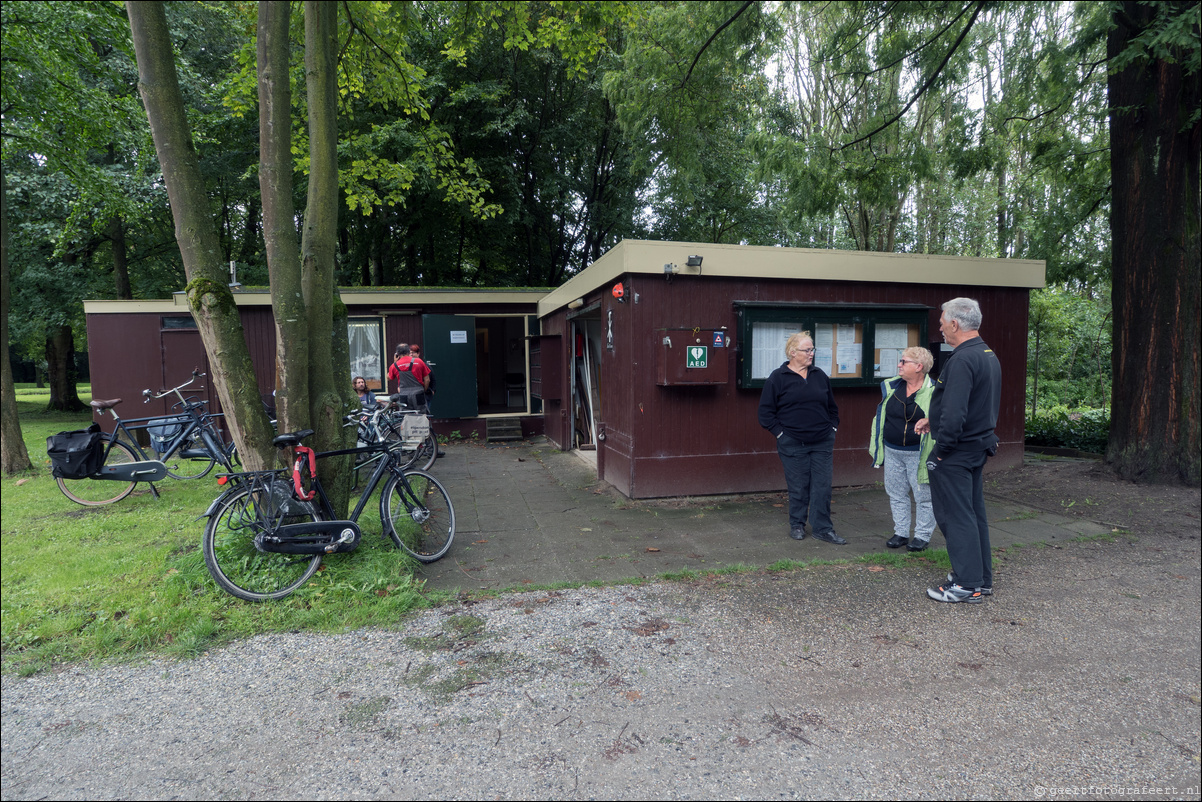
x: 798, y: 407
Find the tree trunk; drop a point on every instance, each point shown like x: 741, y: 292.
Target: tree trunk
x: 120, y: 260
x: 208, y: 293
x: 60, y: 369
x: 330, y: 393
x: 248, y: 253
x: 13, y: 454
x: 1157, y: 254
x: 279, y: 227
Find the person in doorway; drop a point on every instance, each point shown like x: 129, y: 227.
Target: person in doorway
x: 893, y: 442
x: 964, y: 413
x: 798, y: 407
x: 415, y: 351
x: 403, y: 362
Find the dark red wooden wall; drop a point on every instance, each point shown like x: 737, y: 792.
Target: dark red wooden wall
x: 667, y: 441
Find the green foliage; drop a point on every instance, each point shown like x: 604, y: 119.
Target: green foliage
x: 1068, y: 349
x: 1061, y: 427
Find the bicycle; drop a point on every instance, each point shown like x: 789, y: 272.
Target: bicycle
x: 266, y: 534
x: 175, y: 436
x: 191, y: 435
x: 395, y: 422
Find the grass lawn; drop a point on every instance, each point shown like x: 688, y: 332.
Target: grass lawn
x: 128, y: 579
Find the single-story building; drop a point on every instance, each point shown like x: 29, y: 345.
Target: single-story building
x: 653, y: 356
x: 659, y: 350
x: 474, y: 339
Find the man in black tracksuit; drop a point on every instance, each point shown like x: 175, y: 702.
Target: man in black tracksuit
x: 964, y: 413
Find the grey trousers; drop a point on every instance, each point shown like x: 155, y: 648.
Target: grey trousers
x: 901, y: 479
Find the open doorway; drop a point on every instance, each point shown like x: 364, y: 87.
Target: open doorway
x: 502, y: 372
x: 586, y: 382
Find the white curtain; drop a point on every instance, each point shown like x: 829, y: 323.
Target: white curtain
x: 768, y: 346
x: 366, y: 357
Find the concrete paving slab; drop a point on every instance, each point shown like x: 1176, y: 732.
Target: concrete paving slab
x: 529, y: 514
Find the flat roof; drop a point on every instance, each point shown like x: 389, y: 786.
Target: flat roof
x: 742, y: 261
x: 351, y: 296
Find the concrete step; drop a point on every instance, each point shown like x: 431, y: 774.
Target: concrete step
x: 504, y: 429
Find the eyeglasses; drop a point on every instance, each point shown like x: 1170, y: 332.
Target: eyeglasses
x: 907, y: 362
x: 803, y: 350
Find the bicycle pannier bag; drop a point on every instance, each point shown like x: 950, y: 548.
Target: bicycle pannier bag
x: 77, y: 454
x: 415, y: 429
x: 164, y: 430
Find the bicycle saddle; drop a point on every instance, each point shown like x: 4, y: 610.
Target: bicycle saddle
x: 100, y: 406
x: 290, y: 438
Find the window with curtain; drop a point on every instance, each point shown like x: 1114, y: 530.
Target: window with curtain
x: 366, y: 336
x: 853, y: 344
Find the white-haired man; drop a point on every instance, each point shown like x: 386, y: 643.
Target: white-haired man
x: 964, y: 413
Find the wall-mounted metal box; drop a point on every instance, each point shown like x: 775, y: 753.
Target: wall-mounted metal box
x: 690, y: 357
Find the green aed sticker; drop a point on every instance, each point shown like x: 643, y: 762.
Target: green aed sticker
x: 698, y: 356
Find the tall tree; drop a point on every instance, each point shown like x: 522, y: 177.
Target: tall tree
x: 208, y: 293
x: 1156, y: 229
x: 13, y: 454
x: 329, y: 379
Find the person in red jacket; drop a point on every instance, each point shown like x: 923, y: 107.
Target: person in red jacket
x: 405, y: 362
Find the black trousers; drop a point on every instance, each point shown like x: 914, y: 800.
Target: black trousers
x: 958, y: 496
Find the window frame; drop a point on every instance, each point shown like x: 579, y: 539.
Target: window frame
x: 811, y: 315
x: 374, y: 383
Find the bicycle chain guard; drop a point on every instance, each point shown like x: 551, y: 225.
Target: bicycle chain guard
x: 314, y: 537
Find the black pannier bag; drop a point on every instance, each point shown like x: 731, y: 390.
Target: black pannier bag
x: 410, y: 391
x: 411, y: 397
x: 78, y: 454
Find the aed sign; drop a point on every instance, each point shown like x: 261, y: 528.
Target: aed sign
x: 698, y: 356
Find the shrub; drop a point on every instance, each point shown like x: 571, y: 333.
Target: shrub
x: 1060, y: 427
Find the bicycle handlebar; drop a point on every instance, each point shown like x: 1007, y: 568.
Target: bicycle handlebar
x: 149, y: 395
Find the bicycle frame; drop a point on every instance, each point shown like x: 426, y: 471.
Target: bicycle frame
x: 316, y: 492
x: 195, y: 424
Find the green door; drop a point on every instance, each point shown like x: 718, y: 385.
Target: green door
x: 449, y: 348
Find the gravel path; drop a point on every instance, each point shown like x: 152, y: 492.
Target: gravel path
x: 1082, y: 673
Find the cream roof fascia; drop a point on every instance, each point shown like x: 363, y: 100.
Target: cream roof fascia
x: 743, y: 261
x: 351, y: 296
x: 108, y: 307
x: 500, y: 295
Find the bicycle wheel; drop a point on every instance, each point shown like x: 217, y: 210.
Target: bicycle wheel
x: 180, y: 467
x: 427, y: 453
x: 417, y: 514
x: 236, y: 565
x: 98, y: 492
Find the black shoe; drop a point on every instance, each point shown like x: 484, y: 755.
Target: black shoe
x: 798, y: 533
x: 918, y: 545
x: 897, y: 541
x: 830, y: 537
x: 440, y: 454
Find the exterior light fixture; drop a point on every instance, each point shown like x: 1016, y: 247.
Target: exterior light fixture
x: 693, y: 261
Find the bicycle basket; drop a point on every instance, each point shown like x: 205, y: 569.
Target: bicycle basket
x: 164, y: 430
x: 77, y: 454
